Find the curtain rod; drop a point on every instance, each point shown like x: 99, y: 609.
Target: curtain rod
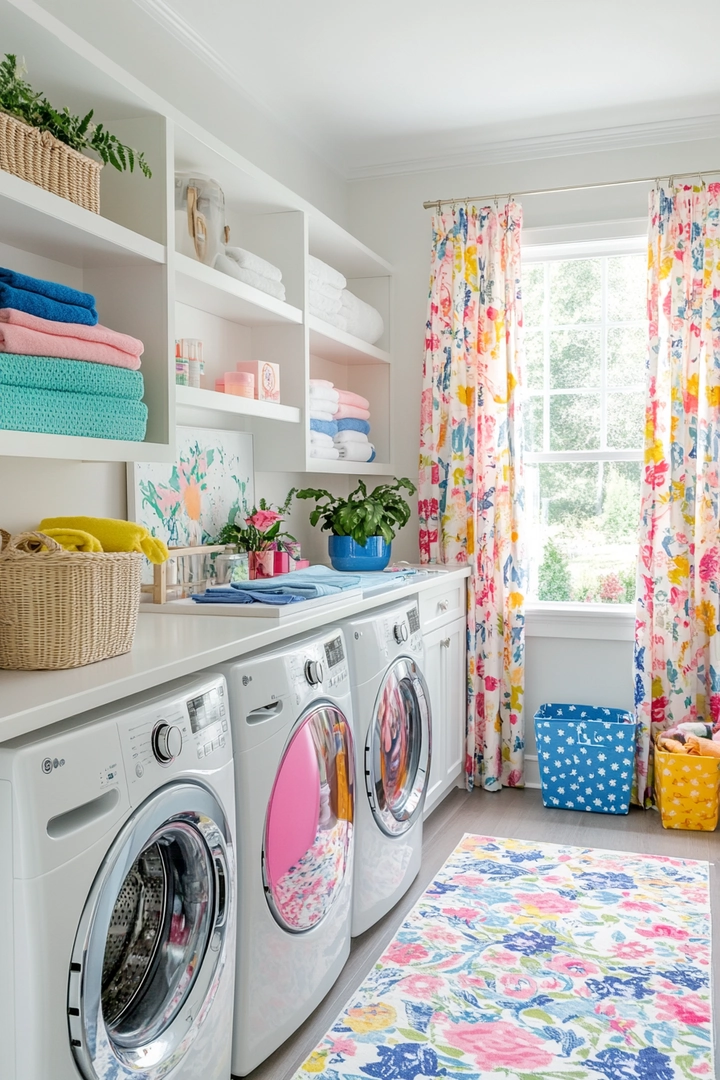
x: 437, y: 203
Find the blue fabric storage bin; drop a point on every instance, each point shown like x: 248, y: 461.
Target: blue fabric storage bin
x: 586, y: 757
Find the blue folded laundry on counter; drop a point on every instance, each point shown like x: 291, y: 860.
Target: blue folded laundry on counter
x: 46, y: 299
x: 351, y: 424
x: 307, y: 584
x: 232, y: 596
x: 327, y: 427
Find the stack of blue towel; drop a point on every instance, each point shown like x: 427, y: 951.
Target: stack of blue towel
x: 307, y: 584
x: 58, y: 396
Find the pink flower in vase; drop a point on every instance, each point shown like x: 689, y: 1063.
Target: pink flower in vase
x: 263, y: 520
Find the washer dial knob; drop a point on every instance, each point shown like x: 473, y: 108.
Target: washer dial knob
x: 167, y: 742
x: 401, y: 632
x: 314, y: 672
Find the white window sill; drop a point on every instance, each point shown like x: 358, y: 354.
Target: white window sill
x: 603, y: 622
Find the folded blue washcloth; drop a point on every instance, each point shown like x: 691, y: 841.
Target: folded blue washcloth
x: 52, y: 289
x: 354, y: 425
x: 327, y: 427
x: 309, y: 583
x: 233, y: 596
x: 45, y: 307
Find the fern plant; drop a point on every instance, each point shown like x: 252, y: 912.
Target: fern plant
x: 362, y: 515
x: 18, y: 99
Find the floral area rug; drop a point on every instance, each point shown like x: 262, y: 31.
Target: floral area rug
x: 531, y: 960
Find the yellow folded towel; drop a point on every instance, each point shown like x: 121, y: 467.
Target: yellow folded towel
x: 114, y: 535
x: 74, y: 539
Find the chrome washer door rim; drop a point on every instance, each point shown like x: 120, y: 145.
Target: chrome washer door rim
x: 191, y: 808
x: 394, y: 820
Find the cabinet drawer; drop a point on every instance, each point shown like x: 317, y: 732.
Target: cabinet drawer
x: 442, y: 604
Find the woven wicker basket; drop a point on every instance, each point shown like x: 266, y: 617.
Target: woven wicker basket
x: 62, y: 609
x: 42, y: 159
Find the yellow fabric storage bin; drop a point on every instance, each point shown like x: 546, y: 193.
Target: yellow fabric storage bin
x: 687, y: 790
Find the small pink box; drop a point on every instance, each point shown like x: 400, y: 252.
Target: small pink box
x: 267, y: 378
x: 281, y: 562
x: 300, y: 564
x: 219, y: 386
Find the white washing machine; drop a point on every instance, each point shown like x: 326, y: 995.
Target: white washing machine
x: 117, y: 892
x: 292, y: 736
x: 393, y: 732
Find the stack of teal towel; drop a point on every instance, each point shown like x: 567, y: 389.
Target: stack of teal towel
x: 93, y: 398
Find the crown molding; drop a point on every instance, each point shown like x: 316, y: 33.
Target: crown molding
x: 688, y: 129
x: 162, y: 12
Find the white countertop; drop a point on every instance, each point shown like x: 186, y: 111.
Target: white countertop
x: 168, y: 647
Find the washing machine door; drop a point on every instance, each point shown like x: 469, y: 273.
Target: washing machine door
x: 151, y: 944
x: 397, y: 751
x: 308, y: 838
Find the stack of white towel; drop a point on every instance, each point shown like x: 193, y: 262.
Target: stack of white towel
x: 339, y: 424
x: 331, y: 301
x: 250, y: 268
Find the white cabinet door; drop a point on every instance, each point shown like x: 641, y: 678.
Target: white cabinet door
x: 445, y: 665
x: 434, y: 676
x: 454, y: 647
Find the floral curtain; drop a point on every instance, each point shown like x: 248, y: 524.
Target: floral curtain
x: 471, y: 487
x: 677, y: 656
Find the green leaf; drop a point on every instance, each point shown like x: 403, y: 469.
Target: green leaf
x: 451, y: 1051
x: 409, y: 1033
x: 538, y: 1014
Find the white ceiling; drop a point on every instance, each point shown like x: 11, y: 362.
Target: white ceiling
x: 382, y: 85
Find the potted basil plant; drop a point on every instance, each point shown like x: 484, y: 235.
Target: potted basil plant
x: 361, y: 526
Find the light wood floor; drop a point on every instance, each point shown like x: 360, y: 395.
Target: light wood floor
x: 511, y: 813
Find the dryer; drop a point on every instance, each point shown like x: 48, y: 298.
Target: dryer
x: 117, y: 892
x: 291, y: 719
x: 393, y: 729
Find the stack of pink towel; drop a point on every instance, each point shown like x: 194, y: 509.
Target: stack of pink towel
x: 342, y: 429
x: 29, y: 335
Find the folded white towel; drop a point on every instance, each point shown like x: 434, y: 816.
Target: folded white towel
x: 356, y: 451
x: 321, y: 414
x: 264, y: 284
x: 363, y: 320
x: 248, y: 261
x: 318, y: 287
x: 314, y: 384
x: 321, y: 439
x: 320, y: 303
x: 317, y: 406
x: 344, y: 436
x: 328, y: 452
x: 328, y: 274
x: 324, y: 393
x: 335, y: 320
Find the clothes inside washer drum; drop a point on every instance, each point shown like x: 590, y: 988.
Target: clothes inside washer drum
x: 135, y: 930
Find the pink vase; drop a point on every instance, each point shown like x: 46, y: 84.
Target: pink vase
x: 262, y: 564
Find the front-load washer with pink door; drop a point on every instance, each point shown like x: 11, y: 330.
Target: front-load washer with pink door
x: 291, y: 725
x: 393, y: 729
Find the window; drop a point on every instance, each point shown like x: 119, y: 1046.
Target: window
x: 585, y: 346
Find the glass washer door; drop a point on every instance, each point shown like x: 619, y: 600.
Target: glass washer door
x: 397, y: 752
x: 151, y: 942
x: 309, y: 823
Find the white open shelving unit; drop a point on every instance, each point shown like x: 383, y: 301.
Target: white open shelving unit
x: 129, y: 257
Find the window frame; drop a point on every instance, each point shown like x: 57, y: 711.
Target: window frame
x: 546, y: 617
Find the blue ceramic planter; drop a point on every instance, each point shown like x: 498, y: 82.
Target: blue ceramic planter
x: 346, y: 555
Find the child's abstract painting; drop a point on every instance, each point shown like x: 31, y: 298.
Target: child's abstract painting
x: 188, y: 502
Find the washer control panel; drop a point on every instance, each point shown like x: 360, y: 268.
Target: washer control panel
x: 399, y: 627
x: 175, y: 734
x: 317, y: 666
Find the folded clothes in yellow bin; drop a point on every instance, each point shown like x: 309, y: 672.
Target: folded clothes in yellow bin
x: 74, y: 539
x: 113, y: 535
